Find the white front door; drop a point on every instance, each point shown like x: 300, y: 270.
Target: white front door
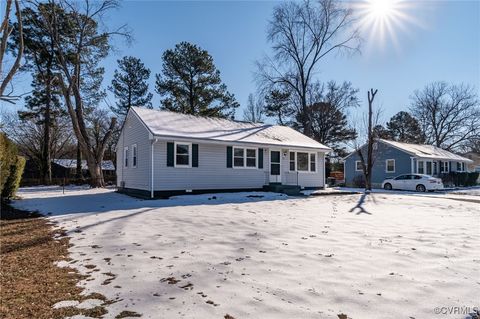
x: 275, y: 167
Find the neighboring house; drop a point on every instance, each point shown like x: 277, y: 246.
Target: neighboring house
x: 161, y: 153
x: 395, y: 158
x: 66, y: 167
x: 475, y: 165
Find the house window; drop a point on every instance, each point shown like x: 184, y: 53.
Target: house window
x: 463, y: 167
x: 358, y: 166
x: 251, y: 157
x: 302, y: 161
x: 421, y: 167
x: 125, y: 156
x: 313, y: 162
x: 292, y: 161
x: 429, y: 167
x: 182, y: 154
x: 238, y: 154
x: 134, y: 155
x: 244, y: 157
x: 390, y: 165
x: 444, y: 167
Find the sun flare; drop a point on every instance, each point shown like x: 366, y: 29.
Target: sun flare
x: 382, y: 20
x: 381, y: 8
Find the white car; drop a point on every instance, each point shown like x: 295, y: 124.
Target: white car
x: 413, y: 182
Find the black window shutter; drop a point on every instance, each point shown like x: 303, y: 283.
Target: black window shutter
x: 170, y: 153
x: 260, y: 158
x: 194, y: 155
x: 229, y: 156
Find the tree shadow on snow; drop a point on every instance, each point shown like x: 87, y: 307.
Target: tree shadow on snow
x: 97, y: 203
x: 359, y: 207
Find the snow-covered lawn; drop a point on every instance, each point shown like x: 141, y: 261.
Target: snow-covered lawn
x: 269, y: 255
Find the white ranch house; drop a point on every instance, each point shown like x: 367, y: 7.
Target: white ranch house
x: 162, y: 153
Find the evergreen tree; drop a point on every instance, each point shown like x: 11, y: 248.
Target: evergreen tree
x: 43, y: 104
x: 403, y: 127
x: 191, y: 83
x: 330, y: 125
x: 277, y: 104
x: 129, y: 85
x: 80, y: 43
x: 379, y: 131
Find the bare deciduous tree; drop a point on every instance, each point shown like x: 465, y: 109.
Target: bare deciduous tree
x: 367, y: 155
x: 6, y: 30
x: 302, y: 34
x: 254, y: 112
x: 30, y: 139
x: 449, y: 114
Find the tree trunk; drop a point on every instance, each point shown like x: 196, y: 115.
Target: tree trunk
x: 47, y: 168
x: 78, y: 171
x: 371, y: 141
x: 95, y: 170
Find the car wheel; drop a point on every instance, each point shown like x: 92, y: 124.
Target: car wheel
x: 387, y: 186
x: 420, y: 188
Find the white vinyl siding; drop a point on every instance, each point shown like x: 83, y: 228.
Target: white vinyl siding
x: 134, y: 132
x: 211, y: 173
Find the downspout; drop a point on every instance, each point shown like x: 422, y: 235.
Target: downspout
x: 152, y: 170
x: 325, y: 171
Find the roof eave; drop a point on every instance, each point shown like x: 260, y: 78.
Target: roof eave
x: 223, y: 142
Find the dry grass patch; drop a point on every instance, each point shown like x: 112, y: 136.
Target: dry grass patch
x: 31, y: 282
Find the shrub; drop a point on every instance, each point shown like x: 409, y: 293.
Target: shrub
x: 8, y: 155
x: 460, y: 179
x: 15, y: 176
x: 472, y: 178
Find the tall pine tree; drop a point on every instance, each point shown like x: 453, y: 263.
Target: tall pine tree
x: 129, y: 85
x: 278, y: 105
x: 403, y: 127
x: 191, y: 83
x: 43, y: 104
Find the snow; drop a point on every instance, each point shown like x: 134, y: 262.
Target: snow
x: 66, y: 303
x: 172, y: 124
x: 427, y: 151
x: 266, y: 255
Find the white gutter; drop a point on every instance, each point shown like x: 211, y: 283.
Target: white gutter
x: 210, y: 141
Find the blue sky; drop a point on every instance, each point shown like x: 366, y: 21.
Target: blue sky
x: 442, y: 44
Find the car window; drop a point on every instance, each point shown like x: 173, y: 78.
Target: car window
x: 417, y: 177
x: 401, y: 177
